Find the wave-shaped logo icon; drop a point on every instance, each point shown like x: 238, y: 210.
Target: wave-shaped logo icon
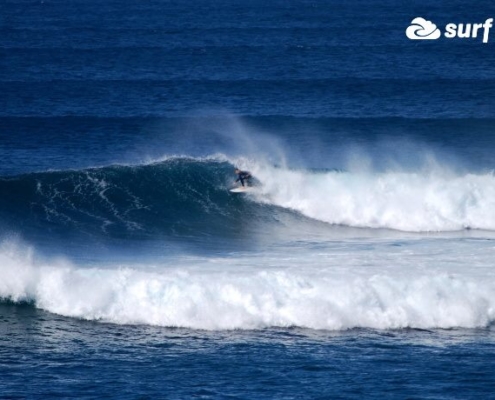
x: 422, y: 29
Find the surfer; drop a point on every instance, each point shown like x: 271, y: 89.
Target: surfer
x: 242, y: 176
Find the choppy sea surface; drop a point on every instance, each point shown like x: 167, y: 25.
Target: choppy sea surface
x: 361, y: 266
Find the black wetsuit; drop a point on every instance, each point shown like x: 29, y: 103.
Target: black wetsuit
x: 243, y: 176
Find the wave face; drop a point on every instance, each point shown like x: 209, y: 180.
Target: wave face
x: 176, y: 197
x: 188, y: 198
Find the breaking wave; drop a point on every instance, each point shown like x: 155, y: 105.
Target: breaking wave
x: 188, y: 196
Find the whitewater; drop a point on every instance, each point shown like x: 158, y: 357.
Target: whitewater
x: 428, y: 201
x: 334, y: 289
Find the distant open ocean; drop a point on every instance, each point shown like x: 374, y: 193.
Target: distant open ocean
x: 361, y: 267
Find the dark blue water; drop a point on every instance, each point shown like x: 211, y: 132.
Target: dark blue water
x: 70, y: 358
x: 360, y: 267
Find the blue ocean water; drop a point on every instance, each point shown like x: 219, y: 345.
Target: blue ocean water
x: 360, y: 267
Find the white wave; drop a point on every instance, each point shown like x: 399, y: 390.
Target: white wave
x: 415, y: 202
x: 250, y: 298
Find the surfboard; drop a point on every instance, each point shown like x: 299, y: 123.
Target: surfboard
x: 242, y: 189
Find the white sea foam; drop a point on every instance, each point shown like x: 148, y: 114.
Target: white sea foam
x: 237, y: 295
x: 415, y: 202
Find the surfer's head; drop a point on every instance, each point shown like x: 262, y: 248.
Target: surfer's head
x: 237, y: 170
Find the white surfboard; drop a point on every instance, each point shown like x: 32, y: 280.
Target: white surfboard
x: 243, y: 189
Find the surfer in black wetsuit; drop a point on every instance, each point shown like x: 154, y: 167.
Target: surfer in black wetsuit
x: 242, y: 176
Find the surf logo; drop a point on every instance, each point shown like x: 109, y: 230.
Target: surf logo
x: 422, y: 29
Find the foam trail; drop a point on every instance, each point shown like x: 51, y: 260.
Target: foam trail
x: 250, y: 298
x: 415, y: 202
